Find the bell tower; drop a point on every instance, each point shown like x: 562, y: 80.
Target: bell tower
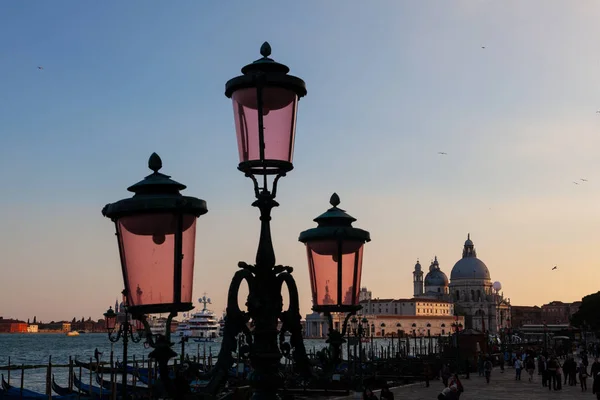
x: 418, y: 279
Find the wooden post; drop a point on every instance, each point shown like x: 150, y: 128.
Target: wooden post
x: 48, y: 377
x: 113, y: 376
x: 70, y: 379
x: 150, y: 385
x: 8, y: 372
x: 78, y: 388
x: 22, y: 378
x: 97, y: 369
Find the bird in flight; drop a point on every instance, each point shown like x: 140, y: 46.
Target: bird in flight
x: 583, y: 180
x: 483, y: 47
x: 598, y: 112
x: 40, y: 67
x: 577, y: 183
x: 555, y: 267
x: 442, y: 153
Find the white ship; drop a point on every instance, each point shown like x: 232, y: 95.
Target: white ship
x: 202, y: 326
x: 158, y: 325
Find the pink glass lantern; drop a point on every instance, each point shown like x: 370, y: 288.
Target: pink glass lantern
x: 156, y: 231
x: 265, y: 100
x: 335, y: 254
x: 110, y: 320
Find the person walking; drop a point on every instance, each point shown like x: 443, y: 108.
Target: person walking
x: 551, y: 371
x: 518, y: 367
x: 487, y: 369
x: 596, y: 386
x: 595, y: 368
x: 445, y: 374
x: 583, y: 376
x: 542, y: 369
x: 386, y: 393
x: 530, y: 367
x: 559, y: 372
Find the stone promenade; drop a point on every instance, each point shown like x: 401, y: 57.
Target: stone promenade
x: 502, y: 387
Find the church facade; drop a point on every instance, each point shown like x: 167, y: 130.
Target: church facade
x: 470, y: 288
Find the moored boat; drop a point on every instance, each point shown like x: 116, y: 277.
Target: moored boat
x: 9, y: 392
x: 94, y: 391
x: 72, y: 333
x: 96, y: 367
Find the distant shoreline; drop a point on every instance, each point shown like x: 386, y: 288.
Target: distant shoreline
x: 43, y: 332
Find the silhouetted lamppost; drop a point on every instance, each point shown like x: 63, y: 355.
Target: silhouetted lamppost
x: 335, y: 253
x: 156, y: 234
x: 125, y: 332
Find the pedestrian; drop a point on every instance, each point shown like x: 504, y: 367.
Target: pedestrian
x: 595, y: 368
x: 445, y: 374
x: 530, y: 366
x: 487, y: 369
x: 386, y: 394
x: 551, y: 368
x: 596, y: 386
x: 480, y: 364
x: 501, y: 359
x: 369, y: 395
x: 559, y: 372
x: 518, y: 367
x: 583, y: 376
x: 454, y: 382
x: 542, y: 369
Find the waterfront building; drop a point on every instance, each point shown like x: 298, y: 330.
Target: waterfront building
x: 525, y: 315
x: 557, y: 312
x: 10, y: 325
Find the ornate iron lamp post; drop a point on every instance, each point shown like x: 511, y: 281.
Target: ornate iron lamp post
x: 359, y: 330
x: 335, y: 253
x: 156, y: 234
x: 125, y: 332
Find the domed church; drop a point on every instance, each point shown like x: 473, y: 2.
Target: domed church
x: 470, y: 288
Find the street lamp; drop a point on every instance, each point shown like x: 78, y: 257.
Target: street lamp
x: 335, y: 253
x: 156, y: 234
x: 126, y: 332
x: 359, y: 330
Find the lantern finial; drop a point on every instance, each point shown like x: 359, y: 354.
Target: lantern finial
x: 154, y: 162
x: 265, y: 49
x: 334, y: 200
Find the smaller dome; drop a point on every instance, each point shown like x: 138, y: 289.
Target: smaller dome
x: 418, y: 266
x: 497, y: 286
x: 436, y: 278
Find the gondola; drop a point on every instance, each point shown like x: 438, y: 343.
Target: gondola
x: 59, y: 390
x: 107, y: 384
x: 94, y: 391
x: 12, y: 393
x: 95, y: 367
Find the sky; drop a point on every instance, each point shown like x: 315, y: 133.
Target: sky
x: 509, y: 90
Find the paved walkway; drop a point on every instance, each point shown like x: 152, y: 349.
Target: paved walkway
x: 502, y: 387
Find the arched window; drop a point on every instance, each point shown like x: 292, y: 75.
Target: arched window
x: 457, y: 295
x: 443, y: 325
x: 439, y: 290
x: 398, y: 325
x: 473, y: 295
x: 414, y: 325
x: 382, y: 325
x: 428, y: 325
x: 479, y: 295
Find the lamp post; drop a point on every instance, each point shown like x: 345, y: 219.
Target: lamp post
x: 457, y: 328
x: 335, y: 253
x: 125, y: 332
x: 156, y: 233
x: 359, y: 330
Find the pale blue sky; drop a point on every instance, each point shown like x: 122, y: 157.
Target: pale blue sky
x: 390, y: 83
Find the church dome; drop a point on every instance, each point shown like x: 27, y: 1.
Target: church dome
x: 470, y: 267
x: 436, y: 278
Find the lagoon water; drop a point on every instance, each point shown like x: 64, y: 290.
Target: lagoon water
x: 37, y: 348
